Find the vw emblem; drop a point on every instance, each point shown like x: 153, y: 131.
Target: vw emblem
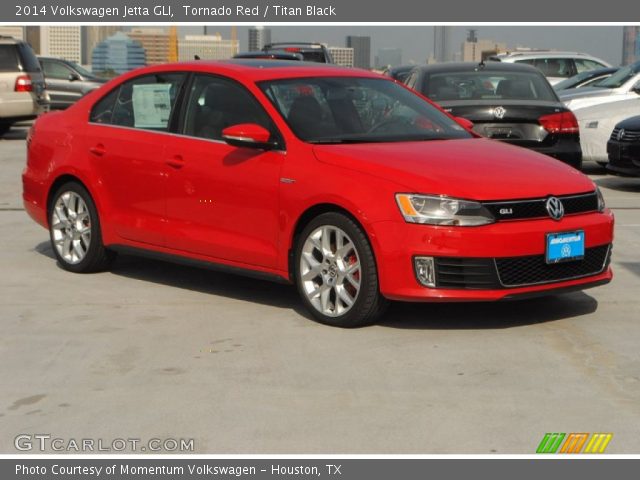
x: 499, y: 112
x: 555, y: 208
x: 620, y: 134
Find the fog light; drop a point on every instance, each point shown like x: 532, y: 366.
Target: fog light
x: 425, y: 271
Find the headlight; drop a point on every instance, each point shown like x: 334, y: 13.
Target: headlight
x: 601, y: 204
x: 441, y: 210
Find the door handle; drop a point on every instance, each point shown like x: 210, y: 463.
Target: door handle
x: 176, y: 161
x: 98, y: 150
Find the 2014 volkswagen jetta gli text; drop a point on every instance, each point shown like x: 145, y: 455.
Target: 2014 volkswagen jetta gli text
x: 343, y: 182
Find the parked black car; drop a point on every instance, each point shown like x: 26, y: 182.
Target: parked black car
x: 623, y: 148
x: 506, y: 101
x: 67, y: 81
x: 585, y: 79
x: 399, y: 73
x: 310, y: 52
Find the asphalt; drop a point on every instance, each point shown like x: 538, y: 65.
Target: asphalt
x: 154, y: 350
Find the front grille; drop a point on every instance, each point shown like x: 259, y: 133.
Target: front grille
x: 467, y: 273
x: 536, y: 208
x: 533, y: 269
x: 627, y: 136
x: 499, y: 273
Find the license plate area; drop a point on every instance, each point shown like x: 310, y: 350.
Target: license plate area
x: 565, y: 247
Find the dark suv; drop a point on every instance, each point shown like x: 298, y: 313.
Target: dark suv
x: 23, y: 94
x: 505, y: 101
x: 310, y: 52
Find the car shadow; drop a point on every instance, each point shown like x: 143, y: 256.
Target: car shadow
x: 15, y: 133
x: 593, y: 168
x: 621, y: 184
x: 400, y: 315
x: 633, y: 267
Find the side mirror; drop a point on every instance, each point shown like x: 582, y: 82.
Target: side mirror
x: 248, y: 135
x: 468, y: 124
x: 73, y: 77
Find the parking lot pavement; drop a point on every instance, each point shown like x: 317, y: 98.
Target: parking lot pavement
x: 153, y: 350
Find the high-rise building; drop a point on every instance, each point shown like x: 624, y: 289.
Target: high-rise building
x: 61, y: 42
x: 117, y: 54
x: 207, y: 47
x: 361, y: 51
x: 442, y: 43
x: 342, y: 56
x: 480, y: 49
x: 258, y: 38
x: 12, y: 31
x: 32, y: 37
x: 93, y: 35
x: 155, y: 42
x: 388, y: 57
x: 630, y: 45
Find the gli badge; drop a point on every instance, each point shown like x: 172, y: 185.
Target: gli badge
x: 499, y: 112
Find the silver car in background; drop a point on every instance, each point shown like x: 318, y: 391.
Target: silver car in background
x: 23, y: 94
x: 67, y: 81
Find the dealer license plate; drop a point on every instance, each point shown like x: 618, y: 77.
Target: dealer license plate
x: 565, y: 247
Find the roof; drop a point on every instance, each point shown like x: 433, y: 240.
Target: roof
x: 542, y: 53
x: 259, y: 69
x: 473, y: 66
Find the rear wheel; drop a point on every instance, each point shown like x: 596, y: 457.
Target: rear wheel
x: 336, y: 272
x: 75, y: 233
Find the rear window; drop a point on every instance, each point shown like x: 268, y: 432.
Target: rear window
x: 9, y: 58
x: 482, y: 85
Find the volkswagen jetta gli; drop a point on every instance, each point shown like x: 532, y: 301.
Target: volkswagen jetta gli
x: 343, y: 182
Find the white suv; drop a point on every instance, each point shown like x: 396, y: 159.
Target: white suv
x: 23, y: 95
x: 556, y: 66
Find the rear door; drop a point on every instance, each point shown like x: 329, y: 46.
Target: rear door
x: 125, y: 142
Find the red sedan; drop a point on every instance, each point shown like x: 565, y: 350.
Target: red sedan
x: 338, y: 180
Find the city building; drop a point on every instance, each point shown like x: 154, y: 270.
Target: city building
x: 361, y: 51
x: 12, y: 31
x: 155, y: 42
x: 442, y: 43
x: 475, y: 50
x: 117, y: 54
x: 92, y: 36
x: 342, y: 56
x: 207, y: 47
x: 388, y: 57
x: 61, y: 42
x: 258, y: 38
x: 630, y: 45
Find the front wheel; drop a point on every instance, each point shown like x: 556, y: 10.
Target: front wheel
x: 75, y: 233
x: 336, y: 272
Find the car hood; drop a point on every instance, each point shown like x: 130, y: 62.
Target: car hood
x: 477, y: 169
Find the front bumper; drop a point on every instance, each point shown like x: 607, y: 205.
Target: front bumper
x: 397, y: 243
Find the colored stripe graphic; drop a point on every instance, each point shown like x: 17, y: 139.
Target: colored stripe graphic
x: 598, y: 443
x: 574, y: 443
x: 550, y: 443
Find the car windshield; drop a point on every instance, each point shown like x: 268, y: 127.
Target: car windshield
x: 621, y: 77
x: 571, y: 81
x: 487, y: 85
x: 358, y: 110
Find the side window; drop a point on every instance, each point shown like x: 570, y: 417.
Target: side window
x: 55, y: 70
x: 215, y: 104
x: 145, y: 102
x: 583, y: 65
x: 555, y: 67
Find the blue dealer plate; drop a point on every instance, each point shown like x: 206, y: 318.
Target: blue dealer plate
x: 565, y: 247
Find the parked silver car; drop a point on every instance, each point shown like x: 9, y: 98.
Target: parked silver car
x: 67, y: 81
x: 23, y: 94
x: 556, y: 66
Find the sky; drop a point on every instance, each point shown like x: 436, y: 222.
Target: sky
x: 416, y: 43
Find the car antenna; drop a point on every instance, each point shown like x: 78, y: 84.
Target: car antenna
x: 481, y: 65
x: 196, y: 57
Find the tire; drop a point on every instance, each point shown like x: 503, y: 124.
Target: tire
x: 74, y: 229
x: 335, y: 272
x: 4, y: 128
